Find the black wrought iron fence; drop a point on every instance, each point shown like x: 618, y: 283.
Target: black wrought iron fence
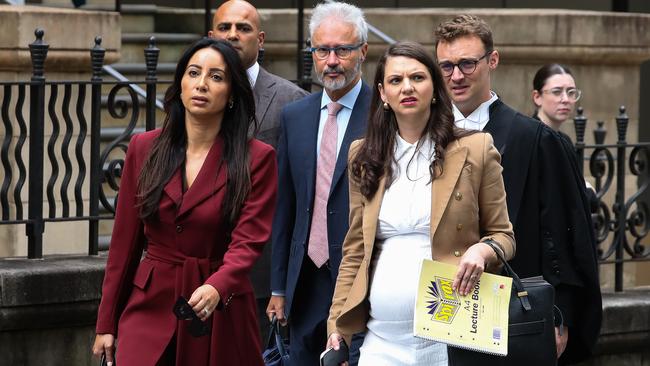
x: 622, y: 224
x: 69, y: 114
x: 69, y: 177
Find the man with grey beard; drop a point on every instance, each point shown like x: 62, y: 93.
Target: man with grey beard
x: 312, y: 214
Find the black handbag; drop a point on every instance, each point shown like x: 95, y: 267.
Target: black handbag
x: 103, y: 362
x: 277, y: 348
x: 531, y: 326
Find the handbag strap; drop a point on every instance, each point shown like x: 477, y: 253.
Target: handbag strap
x: 522, y: 294
x: 274, y: 333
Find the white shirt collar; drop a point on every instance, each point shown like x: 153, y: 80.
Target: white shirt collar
x: 252, y: 72
x: 478, y: 118
x: 402, y: 147
x: 347, y: 100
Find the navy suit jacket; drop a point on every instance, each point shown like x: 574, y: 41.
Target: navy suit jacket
x: 297, y: 179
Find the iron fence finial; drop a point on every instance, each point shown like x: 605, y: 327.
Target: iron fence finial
x: 622, y: 121
x: 151, y: 58
x: 600, y: 132
x: 580, y: 124
x: 97, y: 54
x: 38, y: 51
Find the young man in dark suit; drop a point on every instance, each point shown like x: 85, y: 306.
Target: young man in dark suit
x: 545, y: 194
x: 239, y: 22
x: 312, y: 214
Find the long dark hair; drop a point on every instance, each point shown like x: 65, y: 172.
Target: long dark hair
x: 168, y: 150
x: 374, y: 158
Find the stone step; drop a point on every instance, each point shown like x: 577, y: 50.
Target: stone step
x: 136, y: 18
x: 139, y: 18
x: 164, y: 71
x: 171, y: 46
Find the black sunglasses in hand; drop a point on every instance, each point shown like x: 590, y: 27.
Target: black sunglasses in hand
x: 183, y: 311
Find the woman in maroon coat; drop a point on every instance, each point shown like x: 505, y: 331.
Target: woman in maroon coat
x: 201, y: 194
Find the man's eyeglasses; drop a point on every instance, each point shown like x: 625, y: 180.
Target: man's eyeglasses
x: 183, y: 311
x: 571, y: 93
x: 341, y: 52
x: 467, y: 67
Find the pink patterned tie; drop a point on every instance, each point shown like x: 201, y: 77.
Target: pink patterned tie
x: 318, y: 249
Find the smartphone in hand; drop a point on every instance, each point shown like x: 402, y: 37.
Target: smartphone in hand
x: 332, y: 357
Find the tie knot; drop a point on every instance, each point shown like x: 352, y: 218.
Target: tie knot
x: 333, y: 108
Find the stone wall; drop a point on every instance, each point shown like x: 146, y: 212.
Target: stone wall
x: 48, y: 311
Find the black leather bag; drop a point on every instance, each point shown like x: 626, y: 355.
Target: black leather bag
x: 277, y: 348
x: 103, y: 362
x: 531, y: 326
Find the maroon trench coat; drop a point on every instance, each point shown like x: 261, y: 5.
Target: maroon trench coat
x: 186, y: 248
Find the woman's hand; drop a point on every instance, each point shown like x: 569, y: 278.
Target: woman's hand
x: 204, y: 300
x: 105, y: 343
x: 471, y: 267
x: 333, y: 342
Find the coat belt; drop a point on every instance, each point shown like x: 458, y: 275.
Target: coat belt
x: 193, y: 270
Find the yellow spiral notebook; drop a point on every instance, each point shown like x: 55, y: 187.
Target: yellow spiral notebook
x: 477, y: 321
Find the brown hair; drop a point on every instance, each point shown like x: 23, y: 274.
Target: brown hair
x: 465, y: 25
x: 374, y: 158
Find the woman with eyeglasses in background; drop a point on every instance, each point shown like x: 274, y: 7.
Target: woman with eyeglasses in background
x: 555, y: 95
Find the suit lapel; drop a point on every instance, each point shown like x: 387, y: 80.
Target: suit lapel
x: 442, y: 187
x: 497, y: 127
x: 310, y: 141
x: 211, y: 178
x: 508, y: 134
x: 174, y: 188
x: 263, y: 95
x: 371, y: 217
x: 356, y: 128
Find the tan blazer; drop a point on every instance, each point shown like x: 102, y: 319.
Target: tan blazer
x: 468, y: 205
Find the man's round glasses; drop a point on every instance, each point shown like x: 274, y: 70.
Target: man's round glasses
x: 571, y: 93
x: 341, y: 52
x: 467, y: 67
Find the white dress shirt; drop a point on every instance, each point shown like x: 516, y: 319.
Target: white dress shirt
x: 252, y: 73
x: 342, y: 118
x: 477, y: 119
x: 402, y: 242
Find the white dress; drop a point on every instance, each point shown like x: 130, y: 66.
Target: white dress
x: 402, y: 241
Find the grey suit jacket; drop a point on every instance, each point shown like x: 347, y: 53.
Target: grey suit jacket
x: 272, y: 93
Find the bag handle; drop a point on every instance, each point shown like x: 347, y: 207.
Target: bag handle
x: 274, y: 332
x: 522, y: 294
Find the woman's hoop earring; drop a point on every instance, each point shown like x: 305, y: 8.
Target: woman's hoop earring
x: 386, y: 106
x: 231, y: 103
